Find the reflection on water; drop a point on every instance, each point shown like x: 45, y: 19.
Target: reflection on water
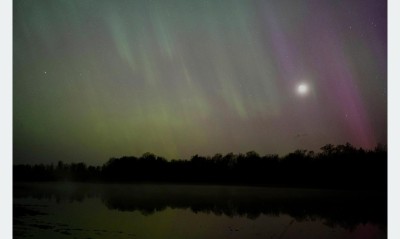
x: 54, y: 210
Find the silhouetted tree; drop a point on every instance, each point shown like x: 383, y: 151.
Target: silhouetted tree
x: 340, y: 166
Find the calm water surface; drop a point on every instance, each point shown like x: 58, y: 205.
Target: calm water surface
x: 61, y: 210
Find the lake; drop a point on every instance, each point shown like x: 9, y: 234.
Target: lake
x: 79, y: 210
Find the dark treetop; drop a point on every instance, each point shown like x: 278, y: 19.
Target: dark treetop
x: 341, y: 166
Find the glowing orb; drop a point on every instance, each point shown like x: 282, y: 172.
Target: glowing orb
x: 302, y: 89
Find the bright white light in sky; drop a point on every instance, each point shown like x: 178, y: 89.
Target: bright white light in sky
x: 302, y: 89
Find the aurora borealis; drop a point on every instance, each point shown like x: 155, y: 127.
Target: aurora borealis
x: 97, y: 79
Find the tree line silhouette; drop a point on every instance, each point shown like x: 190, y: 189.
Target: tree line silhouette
x: 336, y: 166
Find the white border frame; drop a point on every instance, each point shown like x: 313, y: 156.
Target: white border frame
x: 6, y: 118
x: 393, y: 119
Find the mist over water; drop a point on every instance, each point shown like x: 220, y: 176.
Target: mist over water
x: 58, y: 210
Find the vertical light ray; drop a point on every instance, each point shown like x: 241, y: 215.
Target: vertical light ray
x: 98, y: 78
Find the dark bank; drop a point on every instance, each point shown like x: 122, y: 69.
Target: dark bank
x: 341, y: 166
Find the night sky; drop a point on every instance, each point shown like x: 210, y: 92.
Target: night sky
x: 98, y: 79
